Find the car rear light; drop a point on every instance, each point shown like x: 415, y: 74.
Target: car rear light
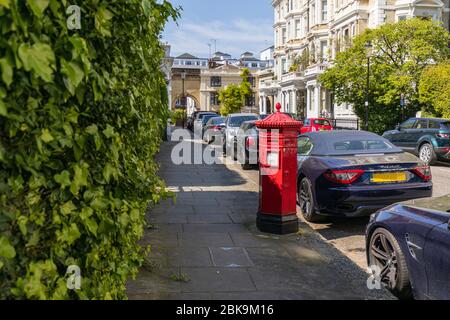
x: 343, y: 176
x: 443, y: 135
x: 423, y: 172
x: 216, y: 127
x: 250, y: 142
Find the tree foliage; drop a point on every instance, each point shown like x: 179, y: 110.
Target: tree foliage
x: 230, y: 99
x: 234, y: 96
x: 401, y: 51
x: 81, y: 115
x: 434, y: 89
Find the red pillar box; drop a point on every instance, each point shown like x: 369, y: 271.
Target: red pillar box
x: 278, y: 174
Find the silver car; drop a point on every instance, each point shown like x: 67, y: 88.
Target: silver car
x: 231, y: 129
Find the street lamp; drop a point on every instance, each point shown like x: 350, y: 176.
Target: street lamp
x: 368, y: 55
x: 183, y: 98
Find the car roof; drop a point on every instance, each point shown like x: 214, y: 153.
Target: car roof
x: 242, y: 115
x: 433, y: 119
x: 323, y: 139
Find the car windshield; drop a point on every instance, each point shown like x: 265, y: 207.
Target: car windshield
x: 202, y: 115
x: 217, y: 120
x: 237, y: 121
x: 322, y: 122
x: 207, y: 117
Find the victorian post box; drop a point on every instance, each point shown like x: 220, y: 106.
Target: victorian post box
x: 277, y: 212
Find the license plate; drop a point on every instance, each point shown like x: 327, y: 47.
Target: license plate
x: 389, y: 177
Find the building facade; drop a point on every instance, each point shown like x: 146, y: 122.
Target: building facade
x: 185, y: 81
x: 217, y: 78
x: 309, y: 33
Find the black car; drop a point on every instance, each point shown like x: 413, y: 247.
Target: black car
x: 195, y: 116
x: 355, y: 173
x: 427, y: 138
x: 246, y: 145
x: 408, y: 248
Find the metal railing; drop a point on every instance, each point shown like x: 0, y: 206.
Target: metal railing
x: 346, y: 124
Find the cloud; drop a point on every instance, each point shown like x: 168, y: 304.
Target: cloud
x: 233, y: 37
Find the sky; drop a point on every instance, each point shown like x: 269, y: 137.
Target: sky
x: 236, y: 25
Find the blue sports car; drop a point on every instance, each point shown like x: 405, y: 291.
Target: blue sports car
x: 409, y: 245
x: 355, y: 173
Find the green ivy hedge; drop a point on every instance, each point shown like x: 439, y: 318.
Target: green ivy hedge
x: 81, y: 116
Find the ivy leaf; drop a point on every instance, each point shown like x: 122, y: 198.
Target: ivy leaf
x: 7, y: 71
x: 4, y: 3
x: 92, y: 226
x: 67, y: 208
x: 46, y: 136
x: 3, y: 109
x: 79, y: 179
x: 74, y: 75
x: 102, y: 23
x: 63, y: 179
x: 39, y: 58
x: 38, y: 6
x: 108, y: 172
x: 6, y: 249
x: 22, y: 223
x: 109, y: 131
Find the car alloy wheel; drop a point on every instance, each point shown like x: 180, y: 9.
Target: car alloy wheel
x: 385, y: 253
x: 426, y: 153
x: 306, y: 201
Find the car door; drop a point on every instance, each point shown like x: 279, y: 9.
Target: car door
x: 437, y: 260
x: 413, y: 135
x: 304, y: 147
x: 400, y: 137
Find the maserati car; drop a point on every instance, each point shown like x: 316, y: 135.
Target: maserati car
x: 355, y: 173
x: 408, y: 245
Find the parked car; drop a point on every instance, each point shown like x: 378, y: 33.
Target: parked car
x: 232, y: 125
x: 316, y: 124
x: 409, y: 243
x: 198, y: 122
x: 190, y: 120
x: 354, y: 173
x: 213, y: 128
x: 427, y: 138
x: 246, y: 145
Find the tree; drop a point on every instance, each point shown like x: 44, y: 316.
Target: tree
x: 401, y: 51
x: 434, y: 89
x: 245, y: 86
x: 230, y: 99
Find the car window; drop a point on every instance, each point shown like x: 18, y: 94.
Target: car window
x: 307, y: 123
x: 434, y: 125
x: 304, y: 145
x: 218, y: 120
x: 207, y: 117
x: 408, y: 124
x: 237, y: 121
x: 361, y: 145
x: 321, y: 122
x: 202, y: 115
x: 445, y: 125
x: 421, y: 124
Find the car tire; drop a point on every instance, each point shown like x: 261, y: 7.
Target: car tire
x: 386, y: 254
x: 427, y: 154
x: 306, y: 202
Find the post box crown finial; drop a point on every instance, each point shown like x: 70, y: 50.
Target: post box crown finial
x: 278, y: 107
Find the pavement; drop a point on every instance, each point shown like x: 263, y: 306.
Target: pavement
x: 206, y: 246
